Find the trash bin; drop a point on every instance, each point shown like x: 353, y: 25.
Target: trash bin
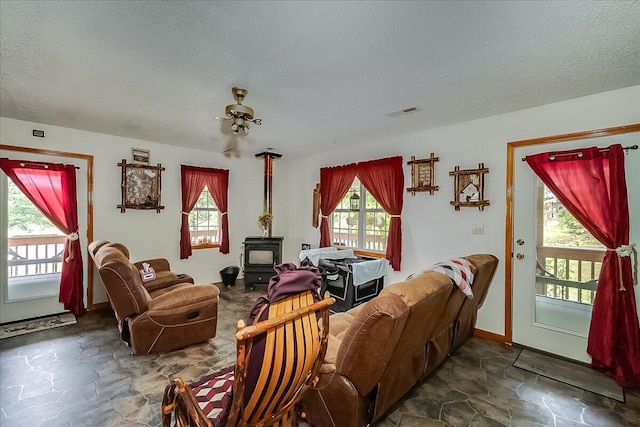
x: 229, y: 275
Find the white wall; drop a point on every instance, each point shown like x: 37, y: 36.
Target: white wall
x: 432, y: 230
x: 148, y: 234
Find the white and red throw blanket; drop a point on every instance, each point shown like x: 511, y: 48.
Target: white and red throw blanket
x: 460, y: 271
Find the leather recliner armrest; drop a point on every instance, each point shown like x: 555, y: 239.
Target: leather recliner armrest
x: 183, y: 299
x: 158, y: 264
x: 164, y: 276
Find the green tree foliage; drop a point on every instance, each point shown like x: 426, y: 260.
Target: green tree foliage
x: 567, y: 231
x: 579, y: 236
x: 561, y: 228
x: 23, y: 215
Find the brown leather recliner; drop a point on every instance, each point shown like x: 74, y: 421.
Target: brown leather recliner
x: 163, y: 314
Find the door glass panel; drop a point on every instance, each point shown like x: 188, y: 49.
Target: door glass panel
x: 34, y: 249
x: 569, y: 259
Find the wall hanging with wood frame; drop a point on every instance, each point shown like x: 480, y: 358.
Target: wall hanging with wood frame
x: 468, y: 188
x: 141, y: 186
x: 316, y: 206
x: 423, y: 175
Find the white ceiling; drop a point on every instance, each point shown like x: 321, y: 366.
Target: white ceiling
x: 319, y: 74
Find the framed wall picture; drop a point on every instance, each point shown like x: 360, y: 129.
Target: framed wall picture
x: 468, y: 188
x: 139, y: 156
x: 141, y: 186
x: 423, y: 175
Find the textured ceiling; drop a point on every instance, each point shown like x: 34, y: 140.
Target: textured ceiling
x: 319, y: 74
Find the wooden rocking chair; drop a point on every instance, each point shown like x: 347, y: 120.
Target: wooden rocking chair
x: 294, y: 337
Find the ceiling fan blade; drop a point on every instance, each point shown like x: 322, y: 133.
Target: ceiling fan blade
x: 232, y: 147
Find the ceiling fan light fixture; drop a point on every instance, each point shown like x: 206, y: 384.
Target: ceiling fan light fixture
x: 240, y: 114
x: 238, y: 110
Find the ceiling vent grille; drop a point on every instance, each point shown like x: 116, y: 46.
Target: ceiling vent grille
x: 404, y: 112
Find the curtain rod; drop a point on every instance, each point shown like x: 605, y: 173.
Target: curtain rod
x: 579, y: 153
x: 23, y: 163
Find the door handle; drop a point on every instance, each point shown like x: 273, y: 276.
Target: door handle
x: 519, y: 255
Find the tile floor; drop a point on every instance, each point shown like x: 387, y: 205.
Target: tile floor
x: 83, y: 375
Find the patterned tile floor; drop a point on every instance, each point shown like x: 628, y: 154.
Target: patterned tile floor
x: 83, y: 375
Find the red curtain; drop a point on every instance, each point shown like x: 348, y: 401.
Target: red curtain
x: 52, y: 189
x: 194, y: 179
x: 592, y: 187
x: 218, y: 184
x: 384, y: 179
x: 334, y: 184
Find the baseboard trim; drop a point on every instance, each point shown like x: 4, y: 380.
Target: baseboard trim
x: 491, y: 336
x: 100, y: 306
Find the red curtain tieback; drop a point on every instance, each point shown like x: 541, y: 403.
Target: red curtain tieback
x: 623, y: 251
x: 72, y: 238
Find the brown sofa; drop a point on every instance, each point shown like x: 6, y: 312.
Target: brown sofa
x: 379, y: 350
x: 163, y: 314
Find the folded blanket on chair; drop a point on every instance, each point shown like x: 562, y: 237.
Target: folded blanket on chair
x: 460, y: 271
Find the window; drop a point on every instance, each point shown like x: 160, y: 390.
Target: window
x: 204, y: 222
x: 205, y: 191
x: 566, y: 252
x: 35, y: 245
x: 366, y: 229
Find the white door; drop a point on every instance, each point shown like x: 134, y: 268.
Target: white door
x: 548, y: 324
x: 25, y: 296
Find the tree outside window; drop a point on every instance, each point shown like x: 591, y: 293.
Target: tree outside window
x: 204, y: 222
x: 560, y: 229
x: 24, y: 217
x: 366, y: 229
x: 35, y: 245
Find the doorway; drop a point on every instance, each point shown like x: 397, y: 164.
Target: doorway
x: 549, y: 289
x: 30, y: 273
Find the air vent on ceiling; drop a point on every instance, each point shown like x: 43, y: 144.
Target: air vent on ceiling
x: 404, y: 112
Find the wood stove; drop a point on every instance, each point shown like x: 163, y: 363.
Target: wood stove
x: 260, y: 255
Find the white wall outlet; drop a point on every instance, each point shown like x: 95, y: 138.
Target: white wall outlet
x: 477, y: 229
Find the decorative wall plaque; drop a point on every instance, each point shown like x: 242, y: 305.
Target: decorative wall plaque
x: 316, y: 206
x: 140, y: 156
x: 468, y: 188
x: 141, y: 186
x: 423, y: 175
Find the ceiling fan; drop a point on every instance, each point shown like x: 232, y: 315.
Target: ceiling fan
x: 231, y: 149
x: 240, y: 115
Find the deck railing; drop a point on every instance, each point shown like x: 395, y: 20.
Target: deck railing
x: 372, y: 241
x: 34, y: 255
x: 568, y: 273
x: 204, y: 236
